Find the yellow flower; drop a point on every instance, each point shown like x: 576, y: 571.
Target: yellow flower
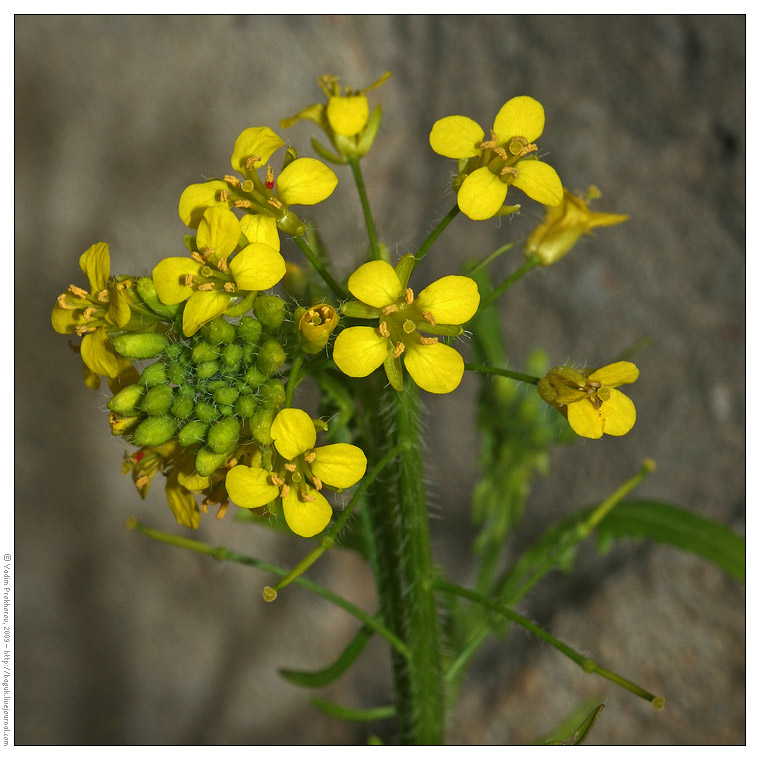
x: 212, y: 277
x: 93, y: 315
x: 345, y: 118
x: 315, y: 326
x: 589, y: 398
x: 298, y: 474
x: 564, y: 225
x: 488, y: 167
x: 303, y: 181
x: 439, y: 309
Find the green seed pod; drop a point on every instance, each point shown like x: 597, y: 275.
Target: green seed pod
x: 140, y: 345
x: 246, y: 406
x: 223, y: 435
x: 270, y: 311
x: 272, y: 394
x: 232, y: 354
x: 194, y: 432
x: 207, y: 462
x: 218, y: 331
x: 260, y: 424
x: 249, y: 330
x: 206, y: 370
x: 182, y: 407
x: 126, y: 400
x: 206, y: 412
x: 153, y: 431
x: 271, y: 357
x: 204, y: 352
x: 153, y: 374
x: 225, y: 395
x: 254, y: 377
x: 175, y: 373
x: 157, y: 400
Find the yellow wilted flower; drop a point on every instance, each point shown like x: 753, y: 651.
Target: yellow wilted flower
x: 589, y: 398
x: 298, y: 474
x: 315, y: 326
x: 488, y: 167
x: 564, y: 225
x: 439, y: 309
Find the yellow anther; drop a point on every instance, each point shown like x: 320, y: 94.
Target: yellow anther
x: 384, y: 331
x: 222, y: 510
x: 428, y: 341
x: 224, y: 195
x: 408, y: 327
x: 284, y: 491
x: 204, y: 506
x: 290, y: 467
x: 88, y: 312
x: 509, y: 170
x: 231, y: 180
x: 309, y: 456
x: 390, y: 309
x: 229, y: 287
x: 408, y: 296
x: 195, y: 256
x: 189, y: 280
x: 269, y: 179
x: 83, y: 330
x: 276, y: 480
x: 251, y: 160
x: 230, y: 463
x: 242, y: 204
x: 274, y: 203
x: 206, y: 287
x: 103, y: 296
x: 529, y: 148
x: 489, y: 144
x: 64, y: 304
x: 317, y: 482
x: 142, y: 481
x: 79, y: 292
x: 222, y: 265
x: 428, y: 317
x: 501, y: 153
x: 400, y: 347
x: 308, y: 498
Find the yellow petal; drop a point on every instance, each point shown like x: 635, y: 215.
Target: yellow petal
x: 219, y: 229
x: 437, y: 368
x: 451, y: 300
x: 600, y: 219
x: 95, y: 262
x: 519, y: 117
x: 539, y: 181
x: 456, y: 137
x: 482, y: 194
x: 182, y: 503
x: 193, y: 481
x: 195, y: 199
x: 64, y: 321
x: 315, y: 112
x: 98, y: 354
x: 257, y: 267
x: 339, y: 465
x: 375, y: 283
x: 119, y: 311
x: 358, y: 351
x: 585, y: 419
x: 619, y: 373
x: 306, y: 518
x: 250, y: 487
x: 258, y: 142
x: 306, y: 181
x: 348, y: 115
x: 260, y: 228
x: 169, y: 278
x: 293, y: 433
x: 202, y: 307
x: 619, y: 413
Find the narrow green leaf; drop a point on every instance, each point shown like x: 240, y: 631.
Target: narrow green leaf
x: 579, y: 735
x: 319, y: 678
x: 352, y: 713
x: 668, y: 524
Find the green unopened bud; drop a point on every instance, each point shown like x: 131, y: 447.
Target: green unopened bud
x: 126, y: 400
x: 271, y: 357
x: 246, y: 406
x: 254, y: 377
x: 139, y: 345
x: 182, y: 407
x: 175, y: 373
x: 206, y: 412
x: 226, y: 410
x: 207, y: 462
x: 562, y: 385
x: 194, y: 432
x: 225, y: 395
x: 272, y: 394
x: 153, y: 431
x: 315, y: 326
x: 223, y: 435
x: 153, y: 374
x: 249, y: 329
x: 231, y: 355
x: 270, y: 311
x: 218, y: 331
x: 260, y: 424
x: 206, y: 370
x: 157, y: 400
x: 204, y: 352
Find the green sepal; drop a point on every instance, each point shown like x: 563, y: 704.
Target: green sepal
x: 291, y: 154
x: 139, y: 345
x: 369, y: 133
x: 448, y: 330
x: 147, y: 291
x: 291, y: 224
x: 393, y: 371
x: 404, y: 269
x: 241, y: 307
x: 190, y: 243
x: 359, y: 310
x: 327, y: 154
x: 507, y: 210
x: 154, y: 431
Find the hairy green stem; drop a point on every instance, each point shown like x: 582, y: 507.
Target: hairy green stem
x: 433, y: 236
x: 321, y: 269
x: 530, y: 263
x: 523, y: 378
x: 377, y: 253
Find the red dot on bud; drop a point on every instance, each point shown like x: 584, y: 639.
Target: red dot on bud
x: 138, y: 456
x: 269, y: 184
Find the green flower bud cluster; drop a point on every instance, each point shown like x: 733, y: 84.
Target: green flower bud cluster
x: 212, y: 391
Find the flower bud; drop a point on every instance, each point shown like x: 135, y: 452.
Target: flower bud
x: 231, y: 355
x: 121, y: 425
x: 139, y: 345
x: 223, y: 435
x: 254, y: 377
x: 153, y: 374
x: 272, y: 394
x: 125, y: 401
x: 225, y: 395
x: 205, y: 370
x: 204, y: 352
x: 315, y: 326
x: 249, y: 330
x: 182, y: 407
x: 271, y: 357
x: 157, y: 400
x: 194, y: 432
x: 206, y: 412
x: 260, y: 424
x: 207, y: 462
x: 246, y: 406
x: 270, y: 311
x: 218, y: 331
x: 153, y: 431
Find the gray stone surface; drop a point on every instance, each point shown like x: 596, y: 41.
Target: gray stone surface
x: 123, y: 641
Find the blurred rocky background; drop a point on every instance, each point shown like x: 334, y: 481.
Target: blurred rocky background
x: 120, y: 640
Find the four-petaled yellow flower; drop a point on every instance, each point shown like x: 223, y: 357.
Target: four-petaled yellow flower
x: 507, y: 158
x: 302, y: 181
x: 212, y: 277
x: 439, y: 309
x: 93, y: 315
x: 298, y: 474
x: 564, y: 225
x: 589, y: 398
